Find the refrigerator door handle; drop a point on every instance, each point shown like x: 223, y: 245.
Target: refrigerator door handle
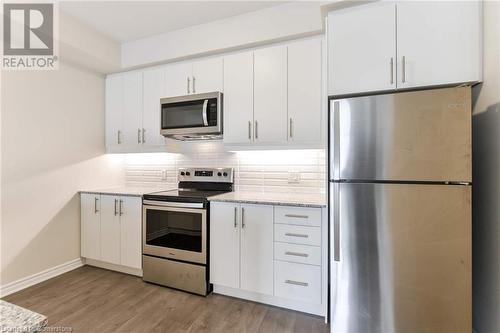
x: 335, y: 216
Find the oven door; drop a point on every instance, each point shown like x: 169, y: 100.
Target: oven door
x: 192, y: 114
x: 175, y: 232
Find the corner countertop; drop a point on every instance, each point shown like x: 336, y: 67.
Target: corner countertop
x: 131, y: 190
x: 14, y: 318
x: 316, y: 200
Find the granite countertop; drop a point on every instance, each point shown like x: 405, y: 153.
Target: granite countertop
x: 14, y: 318
x: 131, y: 190
x: 273, y: 198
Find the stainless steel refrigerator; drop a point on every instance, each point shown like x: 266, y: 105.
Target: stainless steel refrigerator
x: 400, y: 212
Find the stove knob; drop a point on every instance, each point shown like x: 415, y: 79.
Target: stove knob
x: 182, y: 173
x: 225, y: 174
x: 188, y: 173
x: 219, y: 174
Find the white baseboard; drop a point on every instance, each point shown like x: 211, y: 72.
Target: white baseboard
x: 31, y: 280
x: 315, y: 309
x: 113, y: 267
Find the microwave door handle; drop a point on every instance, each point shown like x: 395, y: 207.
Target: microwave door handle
x: 205, y: 113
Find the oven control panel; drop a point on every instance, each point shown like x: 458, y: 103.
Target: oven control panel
x: 224, y: 175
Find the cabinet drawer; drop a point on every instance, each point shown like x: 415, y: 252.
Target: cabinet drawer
x: 297, y: 234
x: 303, y: 254
x: 298, y: 282
x: 298, y: 216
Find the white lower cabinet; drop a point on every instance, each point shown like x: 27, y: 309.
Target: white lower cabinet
x: 297, y: 281
x: 257, y: 248
x: 241, y: 246
x: 249, y: 259
x: 111, y: 229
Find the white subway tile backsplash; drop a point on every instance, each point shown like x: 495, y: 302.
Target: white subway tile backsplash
x: 254, y: 170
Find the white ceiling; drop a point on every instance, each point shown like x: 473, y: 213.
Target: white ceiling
x: 124, y: 21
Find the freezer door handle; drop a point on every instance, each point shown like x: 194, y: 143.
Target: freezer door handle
x: 335, y: 140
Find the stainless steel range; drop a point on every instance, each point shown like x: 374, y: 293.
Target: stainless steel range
x: 176, y: 229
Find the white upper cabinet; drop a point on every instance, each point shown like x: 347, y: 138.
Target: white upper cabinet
x: 225, y: 244
x: 194, y: 77
x: 114, y: 110
x: 257, y: 248
x: 207, y: 75
x: 270, y: 94
x: 304, y: 91
x: 439, y: 42
x: 153, y: 91
x: 238, y: 98
x: 178, y: 79
x: 132, y: 108
x: 362, y: 49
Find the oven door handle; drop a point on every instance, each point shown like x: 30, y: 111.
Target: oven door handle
x: 205, y: 112
x: 173, y: 204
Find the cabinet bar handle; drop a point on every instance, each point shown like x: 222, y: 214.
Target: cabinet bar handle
x: 291, y: 128
x: 139, y: 135
x: 143, y: 135
x: 194, y: 85
x: 297, y: 216
x: 96, y: 199
x: 249, y: 130
x: 392, y: 70
x: 235, y: 213
x: 188, y: 83
x: 404, y: 69
x: 296, y: 235
x: 242, y: 217
x: 297, y: 283
x: 121, y: 207
x: 296, y: 254
x: 116, y: 202
x: 119, y: 139
x: 256, y: 130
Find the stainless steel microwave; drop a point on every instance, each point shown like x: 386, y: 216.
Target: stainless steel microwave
x: 192, y: 117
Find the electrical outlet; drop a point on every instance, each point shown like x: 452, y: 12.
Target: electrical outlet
x: 293, y: 177
x: 164, y: 175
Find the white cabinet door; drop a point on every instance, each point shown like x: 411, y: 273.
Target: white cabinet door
x: 238, y: 98
x: 225, y: 244
x: 440, y: 42
x: 90, y: 225
x: 270, y: 94
x: 257, y: 248
x: 207, y: 75
x: 130, y: 211
x: 132, y: 108
x: 178, y: 79
x: 153, y: 90
x: 110, y: 229
x: 304, y: 91
x: 362, y: 48
x: 114, y: 110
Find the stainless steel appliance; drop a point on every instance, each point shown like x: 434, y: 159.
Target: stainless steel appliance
x: 400, y: 212
x: 192, y: 117
x: 176, y: 229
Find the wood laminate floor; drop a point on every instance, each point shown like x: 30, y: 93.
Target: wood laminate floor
x: 91, y: 299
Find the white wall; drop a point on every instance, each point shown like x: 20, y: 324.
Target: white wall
x: 486, y: 181
x: 290, y: 20
x: 52, y: 145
